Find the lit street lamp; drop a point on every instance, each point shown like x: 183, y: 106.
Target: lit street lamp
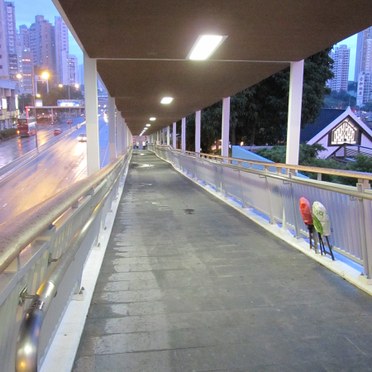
x: 45, y: 75
x: 76, y: 86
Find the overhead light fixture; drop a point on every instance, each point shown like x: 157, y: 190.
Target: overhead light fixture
x: 166, y: 100
x: 148, y: 125
x: 204, y: 46
x: 153, y: 118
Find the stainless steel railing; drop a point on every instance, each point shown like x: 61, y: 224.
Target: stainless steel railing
x: 273, y: 190
x: 42, y: 254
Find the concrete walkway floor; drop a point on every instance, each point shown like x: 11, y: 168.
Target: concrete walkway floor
x: 190, y: 284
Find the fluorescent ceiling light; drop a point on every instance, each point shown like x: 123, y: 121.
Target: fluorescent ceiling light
x: 166, y: 100
x: 148, y: 125
x: 153, y: 118
x: 204, y: 46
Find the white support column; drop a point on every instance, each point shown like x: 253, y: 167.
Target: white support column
x: 183, y: 134
x: 168, y: 135
x: 294, y: 112
x: 225, y: 126
x: 174, y: 135
x: 120, y: 135
x: 158, y: 137
x: 91, y: 114
x: 129, y: 138
x: 117, y: 128
x: 112, y: 128
x: 125, y: 140
x: 197, y: 131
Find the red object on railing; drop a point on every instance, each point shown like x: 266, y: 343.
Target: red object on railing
x: 305, y: 209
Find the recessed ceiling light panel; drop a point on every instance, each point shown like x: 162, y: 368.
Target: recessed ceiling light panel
x: 204, y: 46
x: 166, y: 100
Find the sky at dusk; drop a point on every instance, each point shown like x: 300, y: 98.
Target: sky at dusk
x: 26, y: 10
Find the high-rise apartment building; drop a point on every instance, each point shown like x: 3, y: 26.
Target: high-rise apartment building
x: 363, y: 66
x: 4, y: 64
x: 62, y: 51
x: 11, y: 37
x: 364, y: 92
x: 26, y: 83
x: 25, y: 62
x: 341, y: 58
x: 42, y: 45
x: 73, y: 69
x: 49, y: 47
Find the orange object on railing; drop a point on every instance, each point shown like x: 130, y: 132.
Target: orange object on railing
x: 305, y: 209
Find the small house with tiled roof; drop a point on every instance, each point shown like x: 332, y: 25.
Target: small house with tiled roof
x: 340, y: 132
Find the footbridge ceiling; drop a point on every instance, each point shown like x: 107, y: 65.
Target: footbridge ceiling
x: 142, y: 46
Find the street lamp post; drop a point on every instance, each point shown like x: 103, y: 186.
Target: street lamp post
x: 45, y: 75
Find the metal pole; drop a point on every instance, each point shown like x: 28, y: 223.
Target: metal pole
x: 294, y: 112
x: 197, y: 131
x: 225, y: 126
x: 183, y: 134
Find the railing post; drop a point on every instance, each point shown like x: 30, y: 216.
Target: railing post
x: 365, y: 221
x: 269, y: 197
x: 295, y: 206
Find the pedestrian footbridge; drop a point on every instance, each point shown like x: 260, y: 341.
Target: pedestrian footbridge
x: 173, y: 261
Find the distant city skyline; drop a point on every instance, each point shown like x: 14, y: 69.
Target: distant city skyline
x: 26, y: 10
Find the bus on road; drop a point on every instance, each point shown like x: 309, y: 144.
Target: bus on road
x: 26, y: 127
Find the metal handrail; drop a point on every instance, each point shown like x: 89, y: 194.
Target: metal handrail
x: 14, y: 238
x: 30, y: 331
x: 303, y: 168
x: 359, y: 196
x: 343, y: 189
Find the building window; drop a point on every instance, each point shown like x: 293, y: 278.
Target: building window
x: 345, y: 133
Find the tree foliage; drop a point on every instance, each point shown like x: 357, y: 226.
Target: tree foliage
x: 340, y: 100
x: 367, y: 106
x: 307, y: 153
x: 309, y: 156
x: 259, y: 113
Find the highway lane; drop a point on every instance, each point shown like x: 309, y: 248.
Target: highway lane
x: 15, y: 147
x: 51, y: 171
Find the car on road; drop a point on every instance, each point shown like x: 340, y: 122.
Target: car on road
x: 82, y: 137
x: 57, y: 131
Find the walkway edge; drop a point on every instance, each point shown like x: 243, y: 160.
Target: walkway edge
x: 62, y: 352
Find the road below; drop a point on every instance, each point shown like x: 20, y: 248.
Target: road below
x: 50, y: 172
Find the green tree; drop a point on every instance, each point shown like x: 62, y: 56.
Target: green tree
x: 367, y: 106
x: 362, y: 164
x: 309, y: 156
x: 25, y: 100
x: 259, y: 113
x: 307, y: 153
x: 211, y: 118
x: 339, y: 100
x: 56, y: 93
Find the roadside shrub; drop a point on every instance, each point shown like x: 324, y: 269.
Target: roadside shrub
x: 8, y: 133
